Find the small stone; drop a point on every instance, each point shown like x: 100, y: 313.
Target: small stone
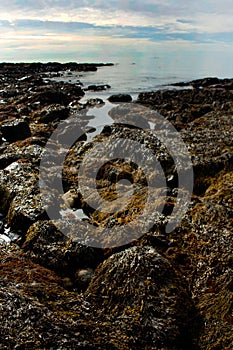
x: 83, y: 277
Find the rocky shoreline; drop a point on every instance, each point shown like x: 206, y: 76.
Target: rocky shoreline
x: 158, y: 291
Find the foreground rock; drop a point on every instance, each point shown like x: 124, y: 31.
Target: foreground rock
x: 151, y: 309
x: 139, y: 291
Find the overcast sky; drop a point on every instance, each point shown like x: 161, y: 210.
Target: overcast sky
x: 42, y: 25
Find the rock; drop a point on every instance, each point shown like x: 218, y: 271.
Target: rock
x: 120, y: 98
x: 214, y: 129
x: 158, y: 290
x: 181, y: 107
x: 132, y: 115
x: 15, y: 130
x: 206, y: 82
x: 72, y: 199
x: 21, y: 150
x: 93, y: 102
x: 51, y: 113
x: 73, y: 129
x: 200, y: 111
x: 25, y: 210
x: 48, y: 246
x: 49, y: 96
x: 139, y: 287
x: 20, y: 197
x: 205, y: 238
x: 83, y: 278
x: 33, y: 297
x: 98, y: 87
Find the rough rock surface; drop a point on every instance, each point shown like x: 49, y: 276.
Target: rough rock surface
x: 167, y: 291
x: 120, y: 98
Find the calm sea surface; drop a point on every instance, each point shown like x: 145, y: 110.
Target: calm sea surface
x: 144, y: 69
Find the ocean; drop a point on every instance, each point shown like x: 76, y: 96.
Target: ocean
x: 138, y: 70
x: 154, y: 67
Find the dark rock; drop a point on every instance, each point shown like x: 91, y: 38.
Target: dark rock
x: 73, y: 130
x: 1, y: 227
x: 48, y: 246
x: 93, y: 102
x: 131, y: 115
x: 98, y: 87
x: 139, y: 287
x: 15, y: 130
x: 20, y: 198
x: 214, y: 129
x: 83, y: 278
x: 142, y: 296
x: 33, y: 297
x: 181, y: 107
x: 49, y: 97
x: 199, y: 112
x: 120, y: 98
x: 205, y: 236
x: 205, y: 82
x: 51, y: 113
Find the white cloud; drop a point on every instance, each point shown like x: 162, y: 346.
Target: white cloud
x: 206, y: 16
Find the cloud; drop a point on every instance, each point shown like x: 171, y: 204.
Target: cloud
x: 206, y: 16
x: 35, y: 26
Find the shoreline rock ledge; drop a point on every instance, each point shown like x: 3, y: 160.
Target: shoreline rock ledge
x: 160, y: 291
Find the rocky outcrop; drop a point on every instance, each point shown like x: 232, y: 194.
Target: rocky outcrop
x: 183, y: 106
x: 141, y: 288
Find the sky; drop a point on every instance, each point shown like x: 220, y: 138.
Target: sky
x: 64, y: 30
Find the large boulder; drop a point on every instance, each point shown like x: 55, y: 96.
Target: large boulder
x: 145, y: 299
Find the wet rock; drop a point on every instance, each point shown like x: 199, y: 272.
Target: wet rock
x: 24, y: 210
x: 33, y: 297
x: 205, y: 238
x: 98, y: 87
x: 120, y: 98
x: 139, y: 287
x: 49, y: 96
x: 205, y: 82
x: 93, y: 102
x: 51, y: 113
x: 72, y: 199
x: 20, y: 197
x: 15, y: 130
x: 142, y: 296
x: 214, y: 129
x: 185, y: 105
x: 74, y: 129
x: 83, y: 278
x: 133, y: 116
x: 48, y: 246
x: 24, y: 150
